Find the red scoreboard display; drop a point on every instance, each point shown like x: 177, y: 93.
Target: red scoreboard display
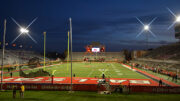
x: 91, y: 49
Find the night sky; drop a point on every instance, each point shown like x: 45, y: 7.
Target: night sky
x: 111, y: 22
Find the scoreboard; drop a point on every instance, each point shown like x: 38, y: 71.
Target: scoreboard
x: 95, y: 48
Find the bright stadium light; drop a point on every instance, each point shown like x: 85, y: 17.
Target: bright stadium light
x: 146, y: 27
x: 178, y: 19
x: 24, y: 31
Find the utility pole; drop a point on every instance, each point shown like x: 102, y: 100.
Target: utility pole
x: 2, y: 65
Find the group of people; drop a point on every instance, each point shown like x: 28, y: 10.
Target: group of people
x: 170, y: 74
x: 21, y: 91
x: 95, y: 59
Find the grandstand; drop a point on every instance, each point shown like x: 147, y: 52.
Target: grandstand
x: 166, y: 57
x: 162, y: 61
x: 166, y: 52
x: 19, y: 56
x: 108, y: 56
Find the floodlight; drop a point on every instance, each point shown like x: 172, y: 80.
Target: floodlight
x: 24, y: 31
x: 146, y: 27
x: 178, y: 19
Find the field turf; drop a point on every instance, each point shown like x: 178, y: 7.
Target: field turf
x: 86, y: 96
x: 112, y: 70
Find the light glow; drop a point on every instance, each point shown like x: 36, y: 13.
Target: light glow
x: 24, y: 31
x: 178, y: 19
x: 146, y: 27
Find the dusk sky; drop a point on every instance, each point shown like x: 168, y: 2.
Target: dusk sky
x: 111, y: 22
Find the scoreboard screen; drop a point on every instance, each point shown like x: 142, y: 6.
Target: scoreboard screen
x: 95, y: 50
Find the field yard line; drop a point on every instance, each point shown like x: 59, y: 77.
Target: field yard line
x: 90, y: 72
x: 115, y: 69
x: 118, y: 72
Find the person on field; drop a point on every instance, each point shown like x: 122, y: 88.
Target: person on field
x: 22, y: 89
x: 52, y: 79
x: 176, y: 77
x: 121, y: 88
x: 103, y: 76
x: 11, y: 74
x: 160, y: 82
x: 14, y: 92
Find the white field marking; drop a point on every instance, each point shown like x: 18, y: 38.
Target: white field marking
x: 9, y: 79
x: 83, y: 80
x: 90, y: 72
x: 117, y: 81
x: 103, y: 71
x: 140, y: 81
x: 120, y: 73
x: 117, y: 71
x: 128, y: 67
x: 59, y: 79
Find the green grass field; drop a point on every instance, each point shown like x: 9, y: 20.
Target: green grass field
x: 113, y: 70
x: 86, y: 96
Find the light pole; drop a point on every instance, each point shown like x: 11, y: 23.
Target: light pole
x: 68, y: 55
x: 70, y: 21
x: 44, y: 49
x: 2, y: 65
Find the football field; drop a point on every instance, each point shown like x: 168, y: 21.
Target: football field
x: 82, y: 69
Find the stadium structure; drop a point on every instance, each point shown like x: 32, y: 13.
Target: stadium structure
x: 92, y: 70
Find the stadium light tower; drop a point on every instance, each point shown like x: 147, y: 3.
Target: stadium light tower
x: 177, y: 19
x: 70, y: 21
x: 146, y: 28
x: 2, y: 64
